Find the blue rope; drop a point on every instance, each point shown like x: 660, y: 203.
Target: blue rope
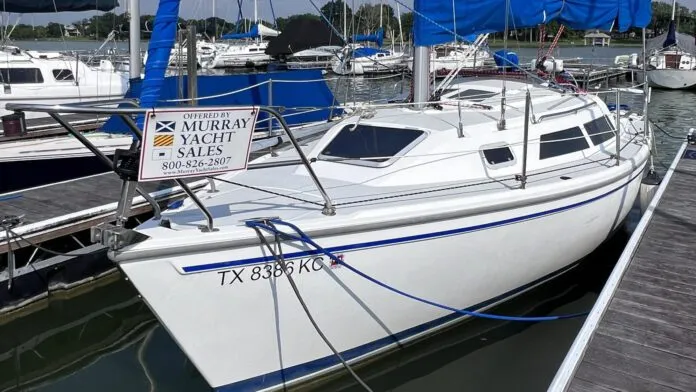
x: 10, y: 197
x: 304, y: 238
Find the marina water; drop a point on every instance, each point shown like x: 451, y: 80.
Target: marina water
x: 105, y: 338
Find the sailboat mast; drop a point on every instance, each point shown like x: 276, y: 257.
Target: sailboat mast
x: 674, y: 7
x: 134, y: 34
x: 345, y: 20
x: 380, y: 15
x: 215, y: 23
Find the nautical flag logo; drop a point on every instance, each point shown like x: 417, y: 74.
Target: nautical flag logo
x: 165, y: 126
x: 161, y: 154
x: 164, y: 140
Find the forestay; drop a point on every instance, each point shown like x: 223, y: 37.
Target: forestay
x: 437, y: 20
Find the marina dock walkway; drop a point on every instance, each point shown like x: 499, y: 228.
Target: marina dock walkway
x: 641, y: 333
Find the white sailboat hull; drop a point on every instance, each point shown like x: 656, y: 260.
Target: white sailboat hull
x: 672, y: 78
x: 238, y: 320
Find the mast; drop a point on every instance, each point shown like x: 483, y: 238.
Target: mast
x: 256, y: 20
x: 134, y: 44
x: 215, y: 23
x: 674, y: 7
x: 380, y: 14
x: 501, y: 122
x: 345, y: 20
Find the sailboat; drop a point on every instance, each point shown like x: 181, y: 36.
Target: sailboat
x: 672, y: 61
x: 398, y: 221
x: 243, y: 49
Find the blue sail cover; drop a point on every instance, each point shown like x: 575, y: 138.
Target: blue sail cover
x: 158, y: 51
x: 435, y: 22
x: 253, y: 33
x: 377, y: 37
x: 671, y: 35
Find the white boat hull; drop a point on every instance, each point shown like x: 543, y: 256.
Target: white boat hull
x: 238, y: 320
x: 672, y: 78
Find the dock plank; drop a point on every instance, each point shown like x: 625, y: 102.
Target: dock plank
x: 645, y: 339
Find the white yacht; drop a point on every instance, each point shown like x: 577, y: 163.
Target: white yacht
x: 54, y: 78
x: 316, y: 58
x: 449, y: 57
x: 356, y: 59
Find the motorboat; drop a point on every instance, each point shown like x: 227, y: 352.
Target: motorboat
x: 55, y: 78
x: 316, y: 58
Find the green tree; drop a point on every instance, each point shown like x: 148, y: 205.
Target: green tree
x: 333, y: 11
x: 54, y: 30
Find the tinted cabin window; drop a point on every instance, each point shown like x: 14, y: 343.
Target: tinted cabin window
x: 472, y: 94
x: 561, y: 143
x: 368, y: 141
x: 600, y: 130
x: 21, y: 75
x: 63, y: 74
x: 495, y: 156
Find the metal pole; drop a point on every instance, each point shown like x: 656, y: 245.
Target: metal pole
x: 208, y: 217
x: 527, y: 108
x: 134, y: 44
x: 646, y: 98
x: 270, y: 103
x: 329, y: 208
x: 192, y: 65
x: 618, y: 129
x: 421, y: 76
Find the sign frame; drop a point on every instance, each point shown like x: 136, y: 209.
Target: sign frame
x: 148, y: 141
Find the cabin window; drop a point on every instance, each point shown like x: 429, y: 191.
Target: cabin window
x: 370, y: 145
x: 600, y: 130
x: 498, y: 155
x: 471, y: 94
x: 21, y: 75
x: 63, y: 75
x: 562, y: 142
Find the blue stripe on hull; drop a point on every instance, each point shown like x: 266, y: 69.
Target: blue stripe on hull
x: 279, y: 377
x: 288, y: 374
x: 394, y: 241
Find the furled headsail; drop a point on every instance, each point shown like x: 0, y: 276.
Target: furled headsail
x: 437, y: 20
x: 39, y: 6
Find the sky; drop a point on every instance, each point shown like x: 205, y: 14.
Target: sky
x: 201, y: 9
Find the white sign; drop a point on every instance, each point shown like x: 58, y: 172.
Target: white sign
x: 191, y: 142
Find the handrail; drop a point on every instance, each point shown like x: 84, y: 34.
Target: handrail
x: 537, y: 119
x: 124, y: 112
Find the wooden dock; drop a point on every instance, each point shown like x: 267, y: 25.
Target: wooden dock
x: 47, y: 126
x: 641, y: 333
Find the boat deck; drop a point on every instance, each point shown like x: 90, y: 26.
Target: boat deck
x: 641, y: 334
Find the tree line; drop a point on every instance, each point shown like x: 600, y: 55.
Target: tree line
x: 365, y: 20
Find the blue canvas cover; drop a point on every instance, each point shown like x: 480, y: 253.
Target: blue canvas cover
x: 434, y: 20
x: 252, y: 33
x: 377, y: 38
x: 314, y: 94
